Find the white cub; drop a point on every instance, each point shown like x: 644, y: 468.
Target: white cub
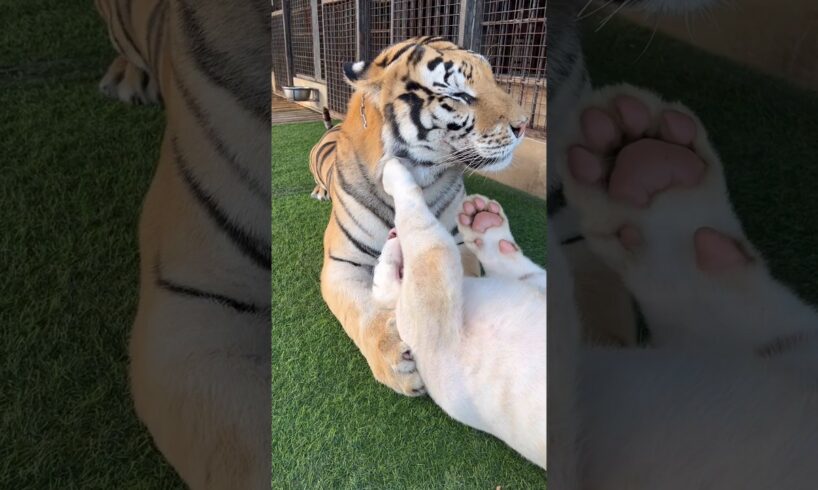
x: 479, y: 343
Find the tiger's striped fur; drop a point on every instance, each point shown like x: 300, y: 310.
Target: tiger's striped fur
x: 200, y: 343
x: 438, y: 107
x: 322, y: 159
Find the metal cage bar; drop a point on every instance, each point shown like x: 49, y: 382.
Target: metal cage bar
x: 316, y: 38
x: 281, y: 73
x: 321, y: 35
x: 321, y: 51
x: 301, y: 38
x: 340, y: 24
x: 513, y: 39
x: 380, y: 28
x: 426, y: 17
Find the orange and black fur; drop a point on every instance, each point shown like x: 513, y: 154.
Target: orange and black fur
x: 438, y: 107
x: 200, y: 343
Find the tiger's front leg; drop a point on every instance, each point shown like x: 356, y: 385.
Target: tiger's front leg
x: 347, y: 290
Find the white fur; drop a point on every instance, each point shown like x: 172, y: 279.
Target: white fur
x: 701, y: 409
x: 479, y: 343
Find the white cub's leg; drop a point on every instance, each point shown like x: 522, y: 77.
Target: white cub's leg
x: 430, y: 308
x: 652, y: 200
x: 485, y: 230
x: 387, y: 274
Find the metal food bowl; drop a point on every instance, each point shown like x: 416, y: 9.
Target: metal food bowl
x: 298, y: 94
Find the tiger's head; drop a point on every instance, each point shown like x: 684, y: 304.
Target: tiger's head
x: 441, y: 105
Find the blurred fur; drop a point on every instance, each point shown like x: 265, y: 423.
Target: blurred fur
x: 200, y: 344
x: 726, y: 394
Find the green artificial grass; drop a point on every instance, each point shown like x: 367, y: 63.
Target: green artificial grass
x: 75, y: 168
x: 333, y: 425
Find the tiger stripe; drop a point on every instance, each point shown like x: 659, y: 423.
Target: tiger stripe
x: 256, y: 249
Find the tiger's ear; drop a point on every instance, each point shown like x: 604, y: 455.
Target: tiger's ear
x: 363, y: 75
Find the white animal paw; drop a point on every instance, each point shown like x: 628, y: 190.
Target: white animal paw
x: 484, y: 227
x: 386, y: 278
x: 649, y: 187
x: 396, y: 176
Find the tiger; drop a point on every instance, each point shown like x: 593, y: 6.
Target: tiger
x: 199, y: 347
x: 438, y: 107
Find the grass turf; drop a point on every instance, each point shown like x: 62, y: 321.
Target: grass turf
x: 75, y: 167
x: 333, y: 425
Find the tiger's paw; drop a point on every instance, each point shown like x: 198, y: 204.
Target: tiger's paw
x: 484, y: 227
x: 320, y: 193
x: 128, y: 83
x: 650, y: 190
x: 392, y: 362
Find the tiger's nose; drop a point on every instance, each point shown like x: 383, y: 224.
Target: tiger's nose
x: 518, y: 128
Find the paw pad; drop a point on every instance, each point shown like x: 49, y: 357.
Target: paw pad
x: 717, y: 252
x: 633, y: 157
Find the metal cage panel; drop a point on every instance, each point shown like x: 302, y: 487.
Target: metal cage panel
x: 340, y: 33
x: 513, y: 39
x: 425, y: 18
x: 280, y: 74
x: 510, y: 33
x: 301, y: 38
x: 380, y: 31
x: 322, y: 53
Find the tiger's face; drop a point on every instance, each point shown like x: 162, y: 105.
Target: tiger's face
x: 441, y: 105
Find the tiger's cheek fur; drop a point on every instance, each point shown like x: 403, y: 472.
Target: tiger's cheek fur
x: 440, y: 103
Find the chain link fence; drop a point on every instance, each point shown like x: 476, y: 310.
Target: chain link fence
x: 510, y: 33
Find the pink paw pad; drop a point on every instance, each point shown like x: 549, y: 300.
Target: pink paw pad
x: 717, y: 252
x: 508, y: 247
x: 676, y: 127
x: 633, y: 114
x: 648, y: 166
x: 600, y: 130
x: 480, y: 215
x: 646, y: 163
x: 484, y: 220
x: 585, y: 166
